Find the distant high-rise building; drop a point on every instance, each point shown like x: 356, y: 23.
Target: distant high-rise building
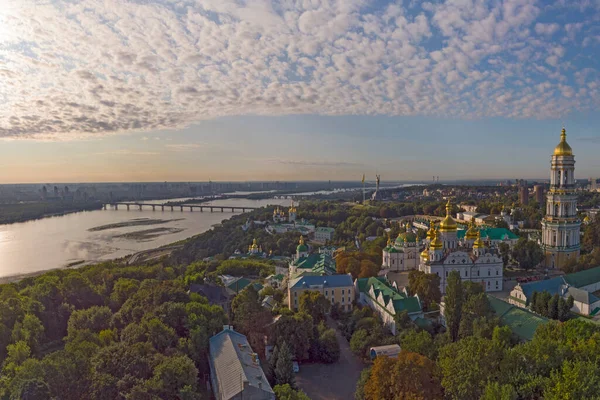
x: 538, y: 191
x: 561, y: 226
x: 524, y: 195
x: 593, y: 184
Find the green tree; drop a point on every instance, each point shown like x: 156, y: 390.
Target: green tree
x: 419, y: 342
x: 496, y: 391
x: 467, y: 366
x: 160, y: 335
x: 314, y: 304
x: 33, y: 389
x: 173, y: 375
x: 504, y: 250
x: 426, y: 286
x: 329, y: 348
x: 453, y: 304
x: 30, y: 330
x: 553, y: 307
x: 296, y: 329
x: 284, y: 373
x: 286, y: 392
x: 365, y: 375
x: 527, y: 253
x: 122, y: 290
x: 359, y: 342
x: 576, y: 380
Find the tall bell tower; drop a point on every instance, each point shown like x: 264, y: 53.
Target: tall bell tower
x: 560, y: 226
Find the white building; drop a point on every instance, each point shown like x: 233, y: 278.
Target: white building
x: 386, y: 300
x: 403, y: 254
x: 470, y: 257
x: 324, y: 234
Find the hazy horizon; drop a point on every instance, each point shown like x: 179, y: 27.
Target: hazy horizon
x: 266, y: 90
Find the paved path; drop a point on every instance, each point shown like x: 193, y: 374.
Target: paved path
x: 331, y: 381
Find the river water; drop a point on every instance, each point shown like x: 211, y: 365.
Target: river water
x: 56, y: 242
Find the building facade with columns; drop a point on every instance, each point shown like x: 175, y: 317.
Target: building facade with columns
x: 561, y: 225
x: 474, y: 260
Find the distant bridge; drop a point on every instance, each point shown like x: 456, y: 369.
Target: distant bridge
x: 181, y: 207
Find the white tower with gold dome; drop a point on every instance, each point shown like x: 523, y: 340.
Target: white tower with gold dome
x: 561, y: 226
x: 448, y: 229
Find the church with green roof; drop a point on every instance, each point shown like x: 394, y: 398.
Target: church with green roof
x: 386, y: 300
x: 403, y: 253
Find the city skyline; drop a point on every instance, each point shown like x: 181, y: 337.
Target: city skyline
x: 104, y: 91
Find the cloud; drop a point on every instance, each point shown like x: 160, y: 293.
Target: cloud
x: 71, y: 70
x: 546, y: 29
x: 183, y: 147
x: 127, y: 152
x: 307, y: 163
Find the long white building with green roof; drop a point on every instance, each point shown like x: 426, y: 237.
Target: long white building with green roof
x: 386, y: 300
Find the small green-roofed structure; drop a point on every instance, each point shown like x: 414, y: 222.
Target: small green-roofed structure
x: 522, y: 322
x: 238, y: 285
x: 583, y: 278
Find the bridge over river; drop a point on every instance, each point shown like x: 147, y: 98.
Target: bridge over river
x: 181, y: 207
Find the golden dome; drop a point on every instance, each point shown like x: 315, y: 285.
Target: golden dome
x: 254, y: 245
x: 479, y: 243
x: 425, y: 253
x: 471, y: 232
x: 448, y: 224
x: 563, y: 148
x: 436, y: 243
x: 431, y: 231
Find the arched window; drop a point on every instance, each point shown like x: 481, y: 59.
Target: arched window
x: 559, y: 178
x: 556, y: 210
x: 566, y: 174
x: 567, y: 240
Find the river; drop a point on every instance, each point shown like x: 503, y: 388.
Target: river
x: 55, y: 242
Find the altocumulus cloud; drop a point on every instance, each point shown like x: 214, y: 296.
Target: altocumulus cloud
x: 70, y: 69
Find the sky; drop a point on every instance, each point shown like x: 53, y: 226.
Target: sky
x: 186, y: 90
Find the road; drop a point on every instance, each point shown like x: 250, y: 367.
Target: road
x: 331, y: 381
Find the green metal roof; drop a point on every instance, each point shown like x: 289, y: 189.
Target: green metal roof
x: 317, y: 263
x: 239, y: 284
x: 381, y: 286
x: 583, y: 278
x: 363, y: 282
x: 491, y: 233
x: 521, y: 322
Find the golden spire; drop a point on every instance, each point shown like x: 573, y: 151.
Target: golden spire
x: 478, y: 244
x: 471, y: 232
x: 448, y: 224
x: 301, y: 239
x: 431, y: 230
x: 425, y: 253
x: 389, y: 241
x: 254, y: 244
x: 436, y: 243
x: 563, y: 148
